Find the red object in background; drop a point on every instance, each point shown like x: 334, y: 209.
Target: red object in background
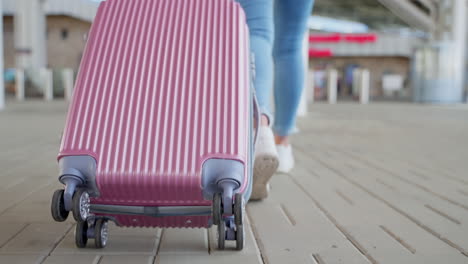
x: 361, y: 38
x: 335, y: 38
x: 316, y: 53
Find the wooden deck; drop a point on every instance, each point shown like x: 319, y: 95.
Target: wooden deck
x: 382, y: 183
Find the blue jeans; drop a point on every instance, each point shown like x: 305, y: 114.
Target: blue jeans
x: 277, y: 30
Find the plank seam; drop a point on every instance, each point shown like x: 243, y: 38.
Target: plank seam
x: 287, y: 215
x: 40, y: 188
x: 386, y: 184
x: 157, y: 241
x: 15, y: 235
x: 346, y: 198
x: 347, y: 234
x: 391, y: 173
x: 57, y: 242
x: 152, y: 260
x: 437, y: 211
x: 317, y: 258
x: 260, y: 246
x: 414, y: 164
x: 98, y: 259
x: 414, y: 220
x: 159, y: 245
x: 41, y: 259
x: 398, y: 239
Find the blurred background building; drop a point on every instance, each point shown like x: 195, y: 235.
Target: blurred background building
x: 408, y: 47
x: 65, y: 24
x: 413, y: 50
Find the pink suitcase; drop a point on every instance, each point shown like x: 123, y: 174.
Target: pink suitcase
x: 159, y: 130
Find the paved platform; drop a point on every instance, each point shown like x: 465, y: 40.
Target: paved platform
x: 382, y: 183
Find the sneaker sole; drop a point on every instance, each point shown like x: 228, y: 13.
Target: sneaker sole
x: 264, y: 167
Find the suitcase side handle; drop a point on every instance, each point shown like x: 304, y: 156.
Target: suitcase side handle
x: 256, y: 107
x: 257, y: 116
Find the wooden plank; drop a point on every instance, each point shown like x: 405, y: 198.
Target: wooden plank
x: 126, y: 259
x: 122, y: 241
x: 21, y: 259
x: 179, y: 247
x: 37, y: 239
x: 431, y: 182
x: 293, y: 235
x: 9, y: 230
x: 36, y: 206
x: 76, y: 259
x: 184, y: 241
x: 250, y: 254
x: 376, y: 214
x: 439, y: 216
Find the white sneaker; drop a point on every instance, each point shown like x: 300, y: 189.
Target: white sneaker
x: 286, y: 158
x: 265, y: 164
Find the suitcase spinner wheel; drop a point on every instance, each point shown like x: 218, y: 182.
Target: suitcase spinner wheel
x: 81, y: 205
x: 98, y: 229
x: 101, y: 232
x: 221, y: 235
x: 239, y: 207
x: 240, y: 234
x: 81, y: 234
x: 217, y: 209
x: 230, y: 227
x: 58, y: 207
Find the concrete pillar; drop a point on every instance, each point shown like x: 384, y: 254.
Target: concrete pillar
x: 302, y: 110
x: 442, y: 61
x: 19, y: 81
x: 68, y: 83
x: 2, y: 82
x: 311, y: 81
x: 30, y: 34
x: 332, y: 85
x: 364, y: 85
x: 47, y: 83
x: 460, y: 32
x: 466, y: 54
x: 356, y: 80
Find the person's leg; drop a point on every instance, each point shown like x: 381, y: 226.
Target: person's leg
x: 259, y: 15
x: 290, y: 26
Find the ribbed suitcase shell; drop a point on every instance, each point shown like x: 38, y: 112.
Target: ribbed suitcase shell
x: 162, y: 87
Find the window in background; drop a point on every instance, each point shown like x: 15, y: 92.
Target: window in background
x: 64, y: 34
